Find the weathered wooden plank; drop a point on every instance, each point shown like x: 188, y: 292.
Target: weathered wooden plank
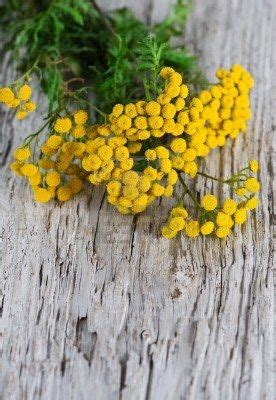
x: 97, y: 305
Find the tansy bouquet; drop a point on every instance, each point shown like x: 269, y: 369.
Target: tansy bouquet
x: 144, y: 147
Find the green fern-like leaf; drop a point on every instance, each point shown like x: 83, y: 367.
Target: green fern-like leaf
x: 118, y: 55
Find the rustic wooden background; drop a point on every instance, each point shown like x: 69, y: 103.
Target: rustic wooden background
x: 96, y: 306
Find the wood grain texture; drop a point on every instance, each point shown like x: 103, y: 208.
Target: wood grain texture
x: 95, y: 305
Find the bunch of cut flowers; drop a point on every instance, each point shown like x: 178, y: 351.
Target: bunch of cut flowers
x: 144, y: 144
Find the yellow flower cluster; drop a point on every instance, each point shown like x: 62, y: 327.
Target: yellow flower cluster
x: 215, y: 114
x: 213, y: 218
x: 183, y: 157
x: 176, y: 223
x: 144, y: 119
x: 57, y: 172
x: 226, y: 106
x: 131, y: 192
x: 18, y: 98
x: 106, y: 155
x: 221, y: 221
x: 203, y: 125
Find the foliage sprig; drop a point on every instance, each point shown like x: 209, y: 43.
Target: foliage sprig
x: 71, y: 40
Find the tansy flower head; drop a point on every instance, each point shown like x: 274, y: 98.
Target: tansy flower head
x: 16, y: 168
x: 162, y: 152
x: 54, y: 141
x: 166, y: 165
x: 172, y: 90
x: 224, y: 220
x: 179, y: 104
x: 207, y: 228
x: 229, y: 206
x: 21, y: 115
x: 130, y: 192
x: 143, y: 184
x: 91, y: 162
x: 179, y: 212
x: 75, y: 184
x: 176, y: 78
x: 178, y: 145
x: 121, y: 153
x: 254, y: 165
x: 172, y: 177
x: 168, y: 233
x: 177, y: 223
x: 166, y: 72
x: 114, y: 188
x: 156, y: 122
x: 29, y: 169
x: 240, y: 216
x: 22, y: 153
x: 127, y: 164
x: 64, y: 193
x: 157, y: 189
x: 124, y: 122
x: 222, y: 232
x: 252, y: 185
x: 80, y: 117
x: 168, y: 191
x: 63, y: 125
x: 35, y: 180
x: 15, y: 103
x: 104, y: 130
x: 150, y: 154
x: 30, y: 106
x: 252, y: 203
x: 241, y: 191
x: 209, y: 202
x: 130, y: 110
x: 192, y: 229
x: 205, y: 96
x: 153, y: 108
x: 118, y: 110
x: 190, y: 168
x: 78, y: 131
x: 141, y: 122
x: 46, y: 163
x: 105, y: 152
x: 163, y: 98
x: 168, y: 111
x: 53, y: 178
x: 6, y: 95
x: 140, y: 107
x: 184, y: 91
x: 42, y: 195
x: 25, y: 92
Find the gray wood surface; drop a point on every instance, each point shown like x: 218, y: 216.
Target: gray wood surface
x: 95, y: 305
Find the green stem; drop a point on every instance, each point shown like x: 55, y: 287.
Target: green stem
x: 146, y: 87
x: 29, y: 138
x: 97, y: 110
x: 211, y: 177
x: 90, y: 105
x: 188, y: 191
x: 28, y: 71
x: 228, y: 181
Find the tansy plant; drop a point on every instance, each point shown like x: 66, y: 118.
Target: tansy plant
x: 149, y: 142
